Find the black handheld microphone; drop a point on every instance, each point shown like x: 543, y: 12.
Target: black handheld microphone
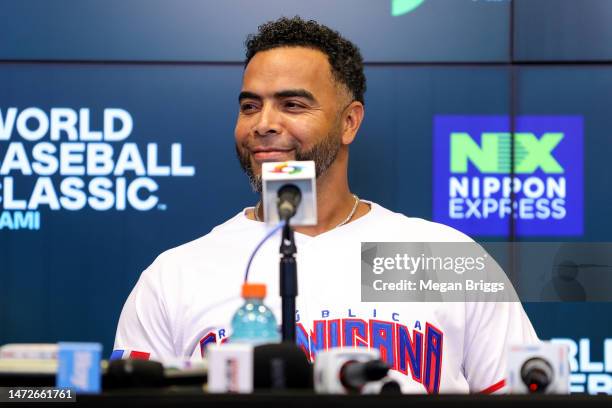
x: 355, y: 374
x: 289, y: 198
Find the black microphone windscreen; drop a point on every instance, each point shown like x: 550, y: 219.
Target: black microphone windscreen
x: 281, y: 366
x: 375, y: 370
x: 355, y: 374
x: 290, y: 192
x: 289, y: 198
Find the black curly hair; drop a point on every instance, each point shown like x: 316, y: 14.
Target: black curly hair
x: 344, y: 57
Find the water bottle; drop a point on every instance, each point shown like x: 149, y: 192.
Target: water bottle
x: 254, y: 322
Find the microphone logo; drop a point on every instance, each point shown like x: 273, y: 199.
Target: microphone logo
x: 286, y: 168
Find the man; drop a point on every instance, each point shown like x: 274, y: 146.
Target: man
x: 302, y: 99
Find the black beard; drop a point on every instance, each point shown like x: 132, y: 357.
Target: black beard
x: 323, y: 154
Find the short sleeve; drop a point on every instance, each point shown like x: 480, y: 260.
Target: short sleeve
x: 490, y: 328
x: 143, y: 330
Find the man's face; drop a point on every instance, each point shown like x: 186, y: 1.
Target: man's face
x: 290, y: 109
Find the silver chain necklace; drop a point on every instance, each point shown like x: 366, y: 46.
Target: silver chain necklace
x: 347, y: 219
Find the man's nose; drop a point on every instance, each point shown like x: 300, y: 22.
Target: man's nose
x: 268, y: 121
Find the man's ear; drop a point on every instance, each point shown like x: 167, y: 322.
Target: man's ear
x: 351, y: 120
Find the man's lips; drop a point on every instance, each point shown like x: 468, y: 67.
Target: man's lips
x: 271, y: 154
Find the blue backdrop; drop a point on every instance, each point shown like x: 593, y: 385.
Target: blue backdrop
x: 175, y: 68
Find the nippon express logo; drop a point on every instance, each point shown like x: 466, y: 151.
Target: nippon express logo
x: 64, y: 159
x: 474, y: 192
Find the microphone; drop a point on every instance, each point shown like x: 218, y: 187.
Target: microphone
x: 354, y: 375
x: 289, y: 197
x: 130, y: 373
x: 541, y: 368
x: 349, y: 370
x: 537, y: 374
x: 289, y: 192
x: 243, y: 368
x: 281, y: 366
x: 134, y: 374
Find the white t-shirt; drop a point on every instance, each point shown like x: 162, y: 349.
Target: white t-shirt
x: 187, y: 297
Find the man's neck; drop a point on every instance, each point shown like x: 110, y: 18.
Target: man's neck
x: 333, y: 207
x: 335, y: 202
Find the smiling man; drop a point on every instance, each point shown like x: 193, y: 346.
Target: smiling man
x: 302, y: 98
x: 298, y: 104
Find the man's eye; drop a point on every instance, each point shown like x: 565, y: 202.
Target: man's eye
x: 247, y: 107
x: 293, y: 105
